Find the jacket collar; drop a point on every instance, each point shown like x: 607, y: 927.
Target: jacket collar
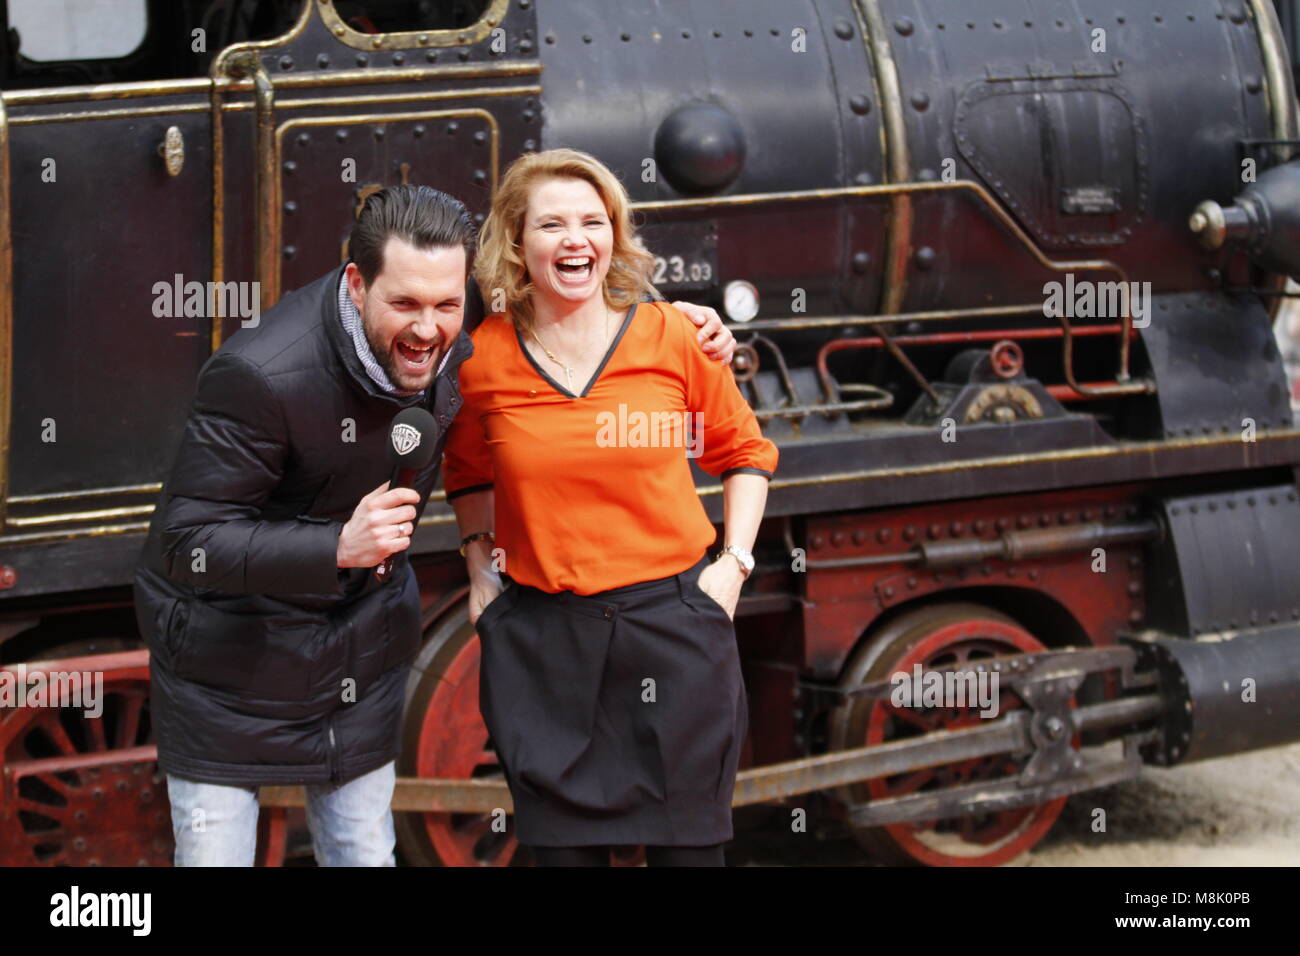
x: 345, y: 349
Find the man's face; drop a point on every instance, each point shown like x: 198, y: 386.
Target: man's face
x: 413, y: 310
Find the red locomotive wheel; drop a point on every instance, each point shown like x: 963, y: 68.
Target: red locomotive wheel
x: 937, y: 636
x: 61, y: 805
x: 444, y: 736
x: 64, y: 802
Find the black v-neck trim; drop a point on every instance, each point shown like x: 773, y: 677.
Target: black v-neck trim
x: 519, y: 337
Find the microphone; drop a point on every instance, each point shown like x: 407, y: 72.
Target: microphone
x: 410, y: 449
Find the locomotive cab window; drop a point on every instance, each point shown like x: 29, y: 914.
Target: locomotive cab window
x: 49, y: 43
x: 407, y: 16
x: 53, y: 30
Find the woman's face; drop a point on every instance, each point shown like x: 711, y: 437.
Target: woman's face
x: 567, y: 240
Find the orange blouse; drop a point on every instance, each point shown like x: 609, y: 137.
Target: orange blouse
x: 594, y: 491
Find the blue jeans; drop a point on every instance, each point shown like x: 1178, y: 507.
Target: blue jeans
x: 351, y: 825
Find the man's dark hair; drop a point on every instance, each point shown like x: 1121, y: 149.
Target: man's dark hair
x: 419, y: 215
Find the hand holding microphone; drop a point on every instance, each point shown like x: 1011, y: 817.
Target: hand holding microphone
x: 384, y: 520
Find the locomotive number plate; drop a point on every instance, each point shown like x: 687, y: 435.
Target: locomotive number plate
x: 686, y: 254
x: 1090, y: 201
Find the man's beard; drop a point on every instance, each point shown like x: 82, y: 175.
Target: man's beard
x: 387, y: 360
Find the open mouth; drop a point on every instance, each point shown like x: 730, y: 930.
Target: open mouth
x: 415, y: 358
x: 575, y: 269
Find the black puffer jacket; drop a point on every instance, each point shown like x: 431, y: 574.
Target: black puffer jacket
x: 268, y: 663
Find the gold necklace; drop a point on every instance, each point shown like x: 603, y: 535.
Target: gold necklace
x: 568, y: 369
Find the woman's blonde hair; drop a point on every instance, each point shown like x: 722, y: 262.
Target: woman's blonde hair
x: 499, y: 264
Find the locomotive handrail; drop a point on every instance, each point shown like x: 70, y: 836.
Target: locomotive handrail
x: 1274, y: 447
x: 6, y: 314
x: 945, y: 315
x: 797, y: 408
x: 249, y: 64
x: 300, y: 102
x: 1280, y: 86
x: 943, y: 338
x: 1122, y: 384
x: 898, y: 236
x: 836, y: 321
x: 1282, y: 105
x: 98, y: 92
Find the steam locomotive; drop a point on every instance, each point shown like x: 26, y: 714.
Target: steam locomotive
x: 1003, y: 276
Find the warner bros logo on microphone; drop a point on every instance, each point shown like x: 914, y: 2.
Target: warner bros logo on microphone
x: 405, y: 438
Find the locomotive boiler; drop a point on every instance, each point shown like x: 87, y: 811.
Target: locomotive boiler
x: 1003, y: 276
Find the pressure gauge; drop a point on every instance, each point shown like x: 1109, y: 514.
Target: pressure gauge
x: 740, y: 300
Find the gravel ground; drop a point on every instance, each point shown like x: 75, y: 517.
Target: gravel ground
x: 1235, y: 811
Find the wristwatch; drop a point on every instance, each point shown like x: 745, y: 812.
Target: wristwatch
x: 491, y: 539
x: 741, y: 555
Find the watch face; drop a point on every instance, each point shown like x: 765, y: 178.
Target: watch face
x: 746, y: 560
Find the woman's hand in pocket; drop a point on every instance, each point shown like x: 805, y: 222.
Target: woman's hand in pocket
x: 721, y: 581
x: 484, y: 587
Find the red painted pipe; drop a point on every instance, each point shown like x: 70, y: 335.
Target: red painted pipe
x: 1062, y: 393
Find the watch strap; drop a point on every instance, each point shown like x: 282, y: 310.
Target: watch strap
x: 465, y: 542
x: 744, y: 558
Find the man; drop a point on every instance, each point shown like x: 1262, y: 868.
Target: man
x: 276, y: 656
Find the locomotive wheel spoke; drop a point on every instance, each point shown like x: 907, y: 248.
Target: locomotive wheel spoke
x: 55, y: 783
x: 54, y: 727
x: 95, y: 728
x: 912, y: 782
x: 472, y: 825
x: 128, y: 727
x: 48, y: 857
x: 907, y: 715
x: 44, y: 809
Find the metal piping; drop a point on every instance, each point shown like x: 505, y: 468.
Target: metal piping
x: 898, y: 239
x: 1281, y: 102
x: 6, y: 315
x: 1009, y: 546
x: 1124, y: 386
x: 249, y: 64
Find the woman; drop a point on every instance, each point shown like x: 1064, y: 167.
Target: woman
x: 609, y: 681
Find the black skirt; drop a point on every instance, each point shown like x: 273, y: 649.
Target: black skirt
x: 618, y: 717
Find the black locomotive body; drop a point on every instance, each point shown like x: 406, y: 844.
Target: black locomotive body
x: 1003, y: 274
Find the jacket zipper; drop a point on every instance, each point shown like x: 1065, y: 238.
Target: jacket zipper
x: 349, y: 655
x: 335, y: 758
x: 333, y: 752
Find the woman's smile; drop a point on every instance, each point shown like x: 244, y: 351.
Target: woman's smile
x: 567, y: 240
x: 575, y: 269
